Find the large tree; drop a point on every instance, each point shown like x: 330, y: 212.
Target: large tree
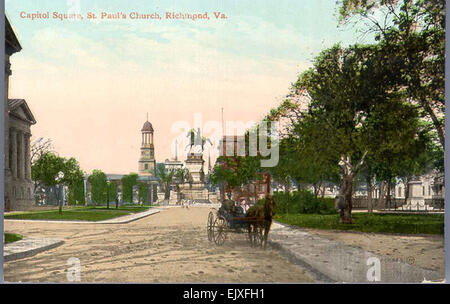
x: 233, y: 172
x: 354, y: 113
x: 143, y: 193
x: 74, y: 179
x: 411, y: 35
x: 112, y: 193
x: 76, y: 193
x: 99, y: 186
x: 128, y: 182
x: 180, y: 176
x: 165, y: 178
x: 52, y: 170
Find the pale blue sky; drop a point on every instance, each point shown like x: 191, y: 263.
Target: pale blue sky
x: 313, y: 22
x: 100, y: 78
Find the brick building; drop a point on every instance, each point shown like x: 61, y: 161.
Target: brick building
x: 254, y: 190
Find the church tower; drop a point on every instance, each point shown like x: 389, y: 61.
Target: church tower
x: 147, y: 163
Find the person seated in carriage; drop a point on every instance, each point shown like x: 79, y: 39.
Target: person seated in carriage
x: 231, y: 208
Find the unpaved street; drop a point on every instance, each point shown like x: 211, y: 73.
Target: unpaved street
x: 170, y: 246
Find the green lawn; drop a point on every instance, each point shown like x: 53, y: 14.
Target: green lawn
x: 78, y: 213
x: 12, y: 237
x: 381, y: 223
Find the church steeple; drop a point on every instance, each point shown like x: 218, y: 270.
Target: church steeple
x: 147, y: 161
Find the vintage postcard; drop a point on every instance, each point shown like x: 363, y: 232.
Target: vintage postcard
x: 163, y: 141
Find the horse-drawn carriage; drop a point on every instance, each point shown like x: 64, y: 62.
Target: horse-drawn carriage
x: 231, y: 218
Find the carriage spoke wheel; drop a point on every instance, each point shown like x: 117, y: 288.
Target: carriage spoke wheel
x: 219, y: 231
x: 210, y: 226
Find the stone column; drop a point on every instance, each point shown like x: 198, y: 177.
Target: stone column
x: 13, y: 144
x: 85, y: 191
x: 88, y: 192
x: 20, y: 154
x: 6, y: 114
x: 27, y: 157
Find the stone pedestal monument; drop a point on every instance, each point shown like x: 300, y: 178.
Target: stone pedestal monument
x: 416, y: 199
x: 195, y: 187
x: 194, y: 163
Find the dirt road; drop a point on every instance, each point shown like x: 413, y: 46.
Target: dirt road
x: 170, y: 246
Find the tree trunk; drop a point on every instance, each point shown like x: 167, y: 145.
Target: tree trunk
x: 58, y: 200
x: 437, y: 124
x: 388, y: 195
x: 287, y: 193
x: 381, y: 201
x: 315, y: 190
x: 287, y: 188
x: 406, y: 184
x: 167, y: 192
x: 348, y: 172
x: 319, y: 188
x: 369, y: 194
x: 347, y: 191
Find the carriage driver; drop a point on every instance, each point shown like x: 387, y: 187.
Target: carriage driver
x: 231, y: 206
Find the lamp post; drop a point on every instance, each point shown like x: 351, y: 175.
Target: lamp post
x: 58, y: 179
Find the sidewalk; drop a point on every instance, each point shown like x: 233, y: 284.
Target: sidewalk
x: 332, y: 261
x: 131, y: 217
x: 118, y: 220
x: 28, y: 247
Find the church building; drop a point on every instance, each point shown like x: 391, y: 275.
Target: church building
x: 147, y: 163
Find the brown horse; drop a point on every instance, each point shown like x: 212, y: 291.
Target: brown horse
x: 266, y: 211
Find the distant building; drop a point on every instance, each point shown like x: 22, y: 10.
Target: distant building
x: 18, y: 122
x: 254, y: 190
x: 147, y: 163
x: 147, y: 172
x: 173, y: 164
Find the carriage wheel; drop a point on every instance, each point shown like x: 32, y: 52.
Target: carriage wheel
x: 257, y: 236
x: 219, y: 230
x: 210, y: 226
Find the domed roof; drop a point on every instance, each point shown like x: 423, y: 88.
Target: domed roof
x: 147, y: 127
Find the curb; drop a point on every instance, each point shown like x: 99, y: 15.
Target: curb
x: 132, y: 219
x: 110, y: 221
x: 314, y: 273
x: 344, y: 263
x: 51, y: 243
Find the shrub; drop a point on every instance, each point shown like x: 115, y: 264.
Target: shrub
x: 304, y: 202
